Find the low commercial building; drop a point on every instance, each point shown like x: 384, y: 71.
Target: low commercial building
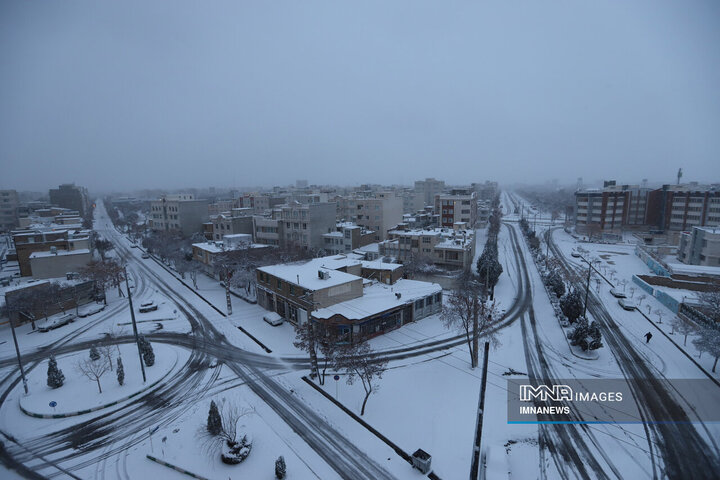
x: 701, y: 246
x: 206, y: 253
x: 30, y: 241
x: 236, y: 221
x: 58, y: 263
x: 333, y: 292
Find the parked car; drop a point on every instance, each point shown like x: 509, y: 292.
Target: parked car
x: 574, y: 254
x: 145, y: 255
x: 273, y: 319
x: 148, y: 307
x: 134, y: 245
x: 627, y: 304
x: 617, y: 293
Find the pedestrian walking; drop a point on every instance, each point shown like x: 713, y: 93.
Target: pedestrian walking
x: 648, y: 336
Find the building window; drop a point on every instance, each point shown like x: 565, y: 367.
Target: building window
x: 279, y: 283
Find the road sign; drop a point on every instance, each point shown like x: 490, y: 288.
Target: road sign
x: 336, y: 377
x: 53, y: 404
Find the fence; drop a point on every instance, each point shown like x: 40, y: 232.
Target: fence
x: 654, y: 265
x: 670, y: 302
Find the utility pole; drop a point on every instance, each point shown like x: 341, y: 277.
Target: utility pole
x: 587, y: 288
x: 475, y: 465
x: 135, y: 331
x: 17, y: 351
x: 476, y: 338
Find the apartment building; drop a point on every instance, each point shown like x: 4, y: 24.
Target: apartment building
x: 180, y: 213
x: 305, y: 223
x: 261, y: 203
x: 457, y: 207
x: 379, y: 211
x: 268, y: 230
x: 672, y: 208
x: 331, y: 292
x: 449, y: 248
x: 682, y: 207
x: 233, y: 222
x: 72, y: 197
x: 425, y: 192
x: 9, y: 204
x: 346, y: 238
x: 701, y: 246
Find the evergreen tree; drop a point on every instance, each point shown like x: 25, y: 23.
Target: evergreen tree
x: 120, y: 371
x: 571, y: 305
x: 556, y: 284
x: 147, y: 352
x: 595, y: 336
x: 214, y: 422
x: 280, y: 468
x: 94, y: 354
x: 579, y: 336
x: 55, y: 377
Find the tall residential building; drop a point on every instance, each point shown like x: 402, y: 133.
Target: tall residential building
x: 269, y: 229
x: 681, y: 207
x: 611, y: 209
x: 262, y: 203
x: 180, y: 213
x: 379, y: 212
x: 8, y: 210
x: 305, y: 223
x: 457, y: 207
x: 70, y: 196
x: 426, y: 190
x: 672, y: 208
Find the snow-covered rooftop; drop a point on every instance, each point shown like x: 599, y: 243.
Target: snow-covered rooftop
x: 81, y: 251
x: 305, y: 274
x: 378, y: 298
x: 378, y: 265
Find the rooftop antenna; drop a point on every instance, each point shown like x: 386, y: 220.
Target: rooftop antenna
x: 679, y: 175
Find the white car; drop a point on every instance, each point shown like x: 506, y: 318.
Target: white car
x: 273, y: 319
x: 145, y: 255
x: 617, y: 293
x: 627, y: 304
x: 574, y: 254
x: 148, y: 307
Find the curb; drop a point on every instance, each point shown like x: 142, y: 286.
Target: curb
x: 402, y: 453
x: 173, y: 467
x: 99, y: 407
x: 210, y: 303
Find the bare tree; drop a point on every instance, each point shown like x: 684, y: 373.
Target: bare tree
x: 308, y: 338
x: 709, y: 341
x: 632, y: 291
x: 623, y: 283
x: 357, y: 362
x: 659, y: 313
x: 641, y: 298
x: 459, y: 309
x: 710, y: 302
x: 682, y: 327
x: 93, y: 369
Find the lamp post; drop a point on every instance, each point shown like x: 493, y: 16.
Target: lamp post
x: 17, y: 351
x: 135, y: 331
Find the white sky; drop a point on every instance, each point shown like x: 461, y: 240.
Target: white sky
x: 117, y: 95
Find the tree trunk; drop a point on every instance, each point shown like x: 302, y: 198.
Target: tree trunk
x: 98, y: 382
x: 367, y: 395
x: 475, y: 333
x: 685, y: 341
x: 715, y: 364
x: 472, y: 358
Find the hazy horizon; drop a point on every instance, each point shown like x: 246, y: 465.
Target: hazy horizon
x: 142, y: 95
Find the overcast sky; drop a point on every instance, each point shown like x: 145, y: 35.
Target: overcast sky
x: 119, y: 95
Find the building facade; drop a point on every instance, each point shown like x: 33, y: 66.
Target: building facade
x: 379, y: 212
x: 305, y: 223
x: 8, y: 210
x: 701, y: 246
x: 425, y: 192
x: 457, y: 207
x: 72, y: 197
x: 179, y: 213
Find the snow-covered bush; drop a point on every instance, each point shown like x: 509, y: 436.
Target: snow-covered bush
x: 586, y: 336
x: 120, y: 371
